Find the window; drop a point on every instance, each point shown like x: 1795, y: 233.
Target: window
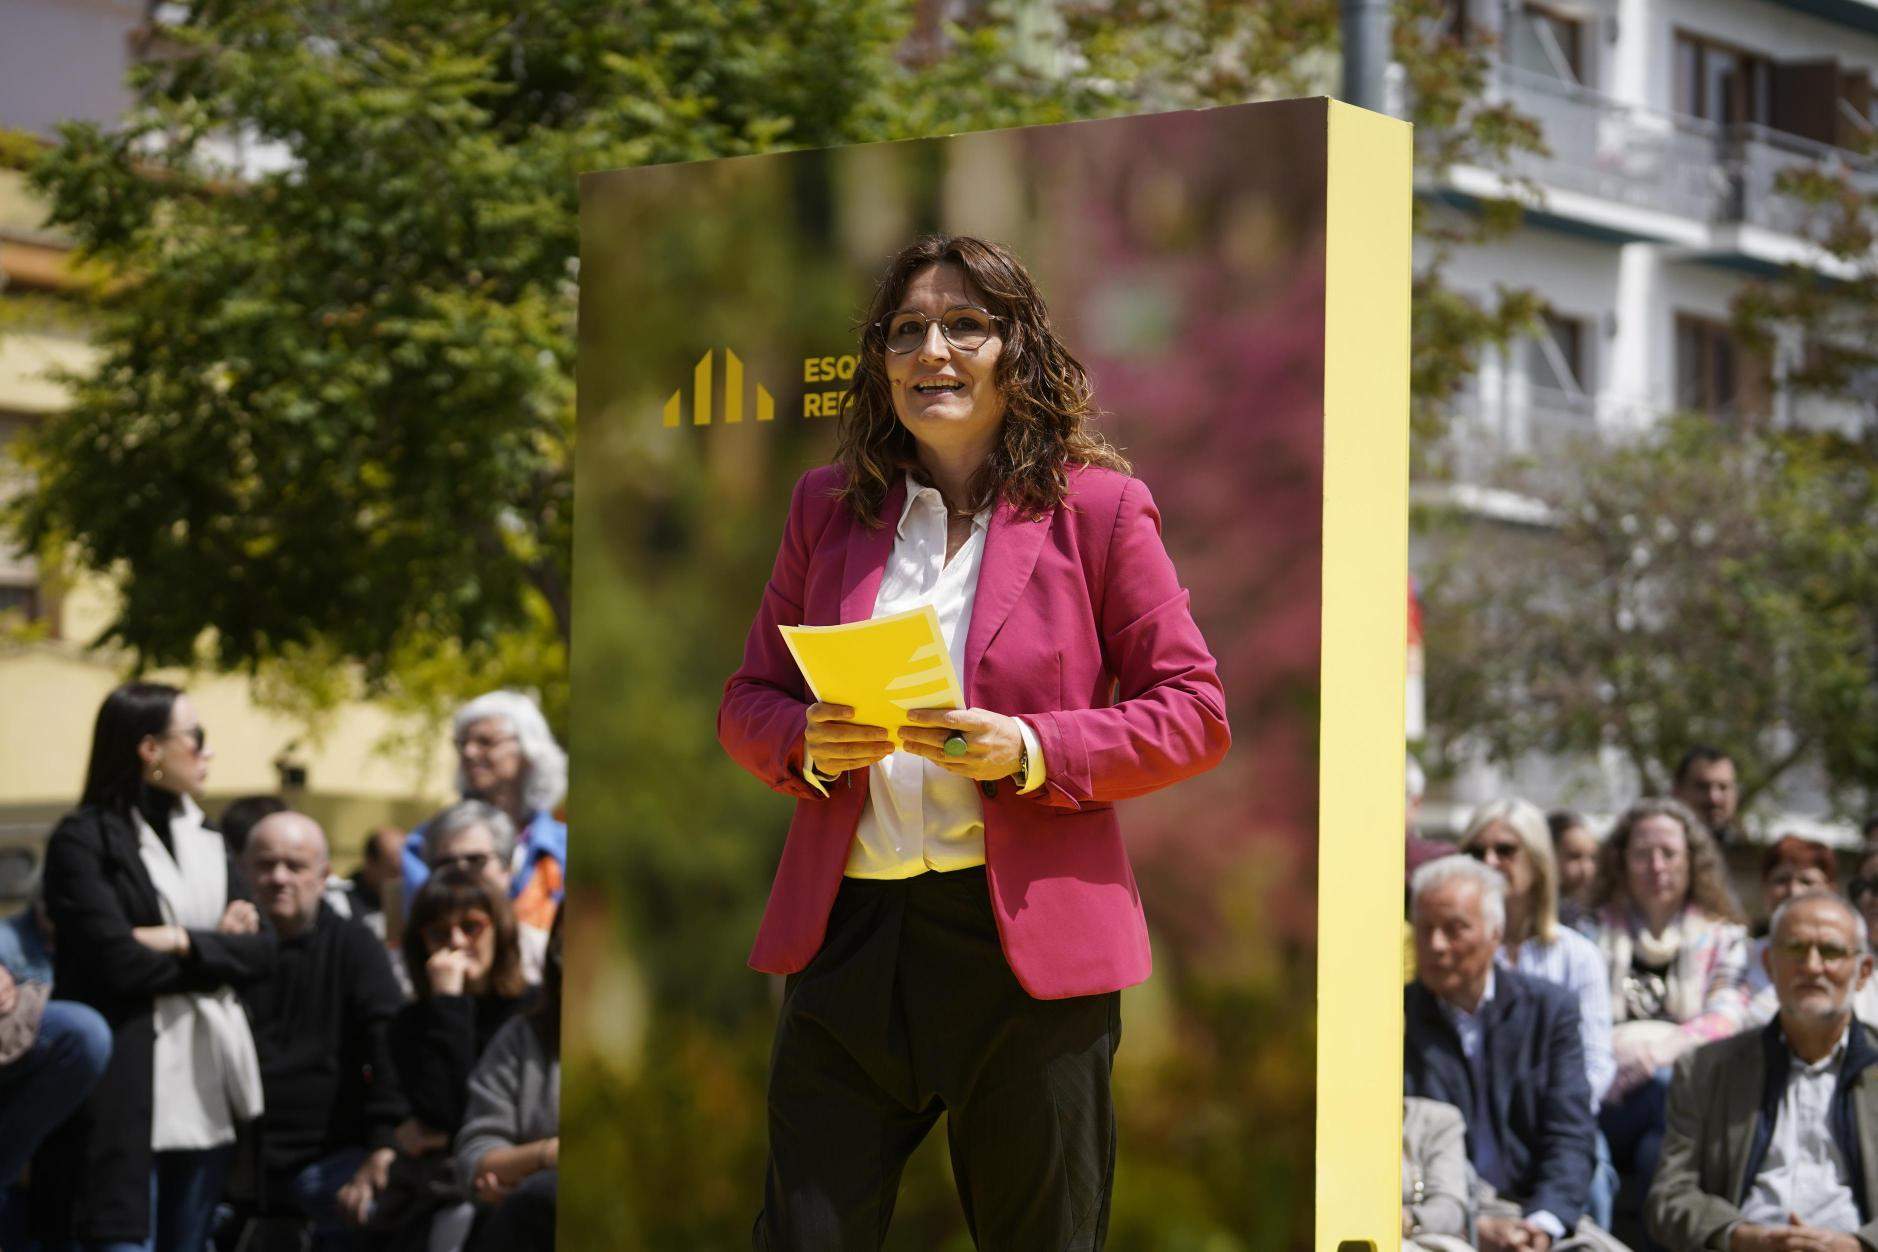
x: 1543, y: 41
x: 20, y: 600
x: 1555, y: 355
x: 1722, y: 84
x: 1714, y: 374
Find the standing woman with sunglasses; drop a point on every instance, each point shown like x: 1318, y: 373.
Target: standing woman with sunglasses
x: 155, y: 927
x: 954, y: 906
x: 465, y: 966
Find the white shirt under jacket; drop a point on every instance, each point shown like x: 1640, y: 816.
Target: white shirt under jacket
x: 918, y: 816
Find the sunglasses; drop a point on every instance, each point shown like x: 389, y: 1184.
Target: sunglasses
x: 438, y: 935
x: 195, y: 734
x: 474, y: 862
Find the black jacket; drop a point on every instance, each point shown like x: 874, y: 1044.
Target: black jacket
x: 1541, y: 1099
x: 91, y: 1178
x: 320, y: 1026
x: 436, y: 1043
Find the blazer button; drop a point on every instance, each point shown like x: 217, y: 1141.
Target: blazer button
x: 989, y: 788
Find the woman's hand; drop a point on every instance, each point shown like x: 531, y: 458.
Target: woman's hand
x: 837, y: 745
x: 356, y: 1197
x: 414, y: 1138
x: 448, y: 971
x: 239, y: 918
x: 993, y: 743
x: 169, y: 940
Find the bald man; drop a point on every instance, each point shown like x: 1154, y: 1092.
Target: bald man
x: 319, y: 1023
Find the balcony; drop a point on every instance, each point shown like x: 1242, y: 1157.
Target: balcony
x: 1661, y: 162
x: 1669, y: 163
x: 1761, y: 154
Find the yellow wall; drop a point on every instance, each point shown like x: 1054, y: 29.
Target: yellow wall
x: 1365, y: 657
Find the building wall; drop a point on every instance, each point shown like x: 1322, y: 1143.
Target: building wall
x: 64, y: 60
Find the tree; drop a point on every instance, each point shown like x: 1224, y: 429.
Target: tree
x: 1703, y: 585
x: 340, y: 375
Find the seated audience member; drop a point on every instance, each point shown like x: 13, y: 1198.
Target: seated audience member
x: 480, y: 838
x: 240, y: 816
x: 1864, y: 897
x: 26, y: 942
x: 52, y: 1053
x: 1705, y: 780
x: 379, y: 868
x: 460, y: 949
x: 1436, y: 1209
x: 1790, y: 866
x: 321, y: 1024
x: 1676, y: 953
x: 1575, y: 848
x: 509, y: 1148
x: 1503, y: 1048
x: 1511, y: 836
x: 1771, y: 1132
x: 507, y: 757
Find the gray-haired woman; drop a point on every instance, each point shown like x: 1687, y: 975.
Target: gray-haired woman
x: 508, y: 758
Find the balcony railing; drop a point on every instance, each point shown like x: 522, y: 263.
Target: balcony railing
x: 1761, y: 155
x: 1669, y: 162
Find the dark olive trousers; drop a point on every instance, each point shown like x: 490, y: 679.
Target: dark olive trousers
x: 909, y: 1011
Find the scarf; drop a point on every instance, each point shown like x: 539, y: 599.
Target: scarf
x: 207, y: 1075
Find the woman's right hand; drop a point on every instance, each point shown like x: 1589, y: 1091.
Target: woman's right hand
x: 448, y: 971
x: 837, y: 745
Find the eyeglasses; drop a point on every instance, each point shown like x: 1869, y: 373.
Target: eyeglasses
x: 438, y: 935
x: 474, y: 862
x: 965, y: 326
x: 486, y: 743
x: 1829, y: 953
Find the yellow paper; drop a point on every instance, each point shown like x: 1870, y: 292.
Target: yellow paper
x: 881, y: 667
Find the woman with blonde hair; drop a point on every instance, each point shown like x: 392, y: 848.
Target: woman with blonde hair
x: 1675, y: 948
x: 1512, y: 836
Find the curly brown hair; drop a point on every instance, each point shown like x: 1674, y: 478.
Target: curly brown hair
x: 1708, y: 878
x: 1048, y: 400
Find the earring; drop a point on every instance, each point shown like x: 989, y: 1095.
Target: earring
x: 156, y: 774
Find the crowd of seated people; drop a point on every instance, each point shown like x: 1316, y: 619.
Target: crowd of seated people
x: 1598, y: 1055
x: 205, y: 1040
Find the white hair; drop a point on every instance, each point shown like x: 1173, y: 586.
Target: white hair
x: 465, y: 815
x: 1858, y: 919
x: 1466, y: 869
x: 546, y: 784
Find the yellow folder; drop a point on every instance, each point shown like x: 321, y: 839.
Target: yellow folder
x: 881, y: 667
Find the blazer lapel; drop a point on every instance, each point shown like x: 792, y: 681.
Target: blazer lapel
x: 1865, y: 1105
x: 1503, y: 1030
x: 865, y: 563
x: 1742, y: 1123
x: 1011, y: 548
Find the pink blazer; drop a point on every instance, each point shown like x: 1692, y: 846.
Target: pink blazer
x: 1081, y: 628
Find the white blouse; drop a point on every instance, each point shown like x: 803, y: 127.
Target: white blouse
x: 918, y: 816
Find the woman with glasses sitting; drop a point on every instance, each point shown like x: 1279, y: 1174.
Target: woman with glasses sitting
x: 155, y: 928
x: 465, y: 966
x: 480, y: 838
x: 1513, y: 837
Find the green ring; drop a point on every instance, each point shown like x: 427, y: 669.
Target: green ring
x: 955, y: 743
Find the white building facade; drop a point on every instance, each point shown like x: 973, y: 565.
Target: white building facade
x: 1668, y: 122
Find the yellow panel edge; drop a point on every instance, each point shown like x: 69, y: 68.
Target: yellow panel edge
x: 1367, y: 264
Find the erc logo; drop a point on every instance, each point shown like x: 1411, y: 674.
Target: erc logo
x: 703, y: 396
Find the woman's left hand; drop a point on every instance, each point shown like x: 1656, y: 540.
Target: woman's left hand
x: 993, y: 743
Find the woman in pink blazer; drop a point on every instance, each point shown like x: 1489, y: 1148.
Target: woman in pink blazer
x: 954, y: 905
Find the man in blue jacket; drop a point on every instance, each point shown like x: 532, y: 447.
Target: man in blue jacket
x: 1505, y: 1050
